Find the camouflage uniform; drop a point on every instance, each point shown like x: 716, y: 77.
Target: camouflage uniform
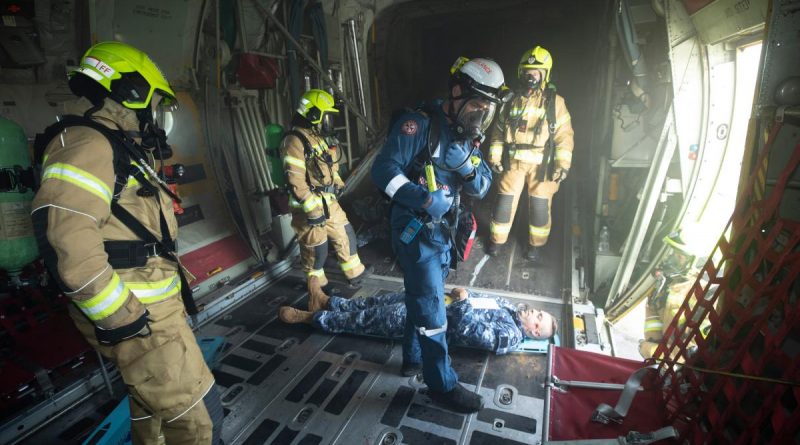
x: 469, y: 323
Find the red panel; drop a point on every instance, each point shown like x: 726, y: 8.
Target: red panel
x: 215, y: 257
x: 257, y: 71
x: 570, y: 411
x: 63, y: 342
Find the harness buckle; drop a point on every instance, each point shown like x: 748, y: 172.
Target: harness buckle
x: 151, y: 250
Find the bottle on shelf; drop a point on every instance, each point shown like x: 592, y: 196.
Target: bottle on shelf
x: 604, y: 240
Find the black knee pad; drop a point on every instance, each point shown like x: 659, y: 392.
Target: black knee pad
x: 351, y: 238
x: 216, y: 413
x: 320, y: 255
x: 538, y: 211
x: 502, y: 211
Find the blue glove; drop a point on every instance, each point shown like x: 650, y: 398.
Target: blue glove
x: 458, y: 156
x: 439, y: 204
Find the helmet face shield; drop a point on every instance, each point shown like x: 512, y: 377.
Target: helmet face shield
x: 163, y: 108
x: 326, y: 125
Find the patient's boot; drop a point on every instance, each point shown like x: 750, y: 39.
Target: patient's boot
x: 458, y: 399
x: 317, y: 298
x: 290, y: 315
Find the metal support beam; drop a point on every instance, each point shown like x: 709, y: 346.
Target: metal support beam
x: 323, y: 74
x: 644, y: 213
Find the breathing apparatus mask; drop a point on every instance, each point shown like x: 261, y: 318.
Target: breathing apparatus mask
x: 154, y: 123
x: 530, y: 81
x: 476, y: 110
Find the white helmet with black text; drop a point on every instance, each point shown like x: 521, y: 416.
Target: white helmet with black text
x: 482, y: 87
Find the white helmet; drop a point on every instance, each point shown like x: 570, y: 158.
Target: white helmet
x: 480, y: 76
x: 480, y: 79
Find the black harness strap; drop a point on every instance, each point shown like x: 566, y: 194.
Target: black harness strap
x: 166, y: 246
x: 131, y: 253
x: 548, y: 159
x: 308, y: 154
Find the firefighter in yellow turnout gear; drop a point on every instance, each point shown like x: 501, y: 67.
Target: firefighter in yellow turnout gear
x: 310, y: 163
x: 126, y: 291
x: 531, y: 143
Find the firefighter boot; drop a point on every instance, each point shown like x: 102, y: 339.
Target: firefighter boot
x: 368, y: 270
x: 491, y: 248
x: 458, y: 399
x: 317, y: 298
x: 290, y: 315
x: 534, y: 254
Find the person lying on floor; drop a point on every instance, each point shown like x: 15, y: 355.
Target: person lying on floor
x: 489, y: 323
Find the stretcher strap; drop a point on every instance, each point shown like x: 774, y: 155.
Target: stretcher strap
x: 432, y: 332
x: 606, y: 414
x: 632, y: 438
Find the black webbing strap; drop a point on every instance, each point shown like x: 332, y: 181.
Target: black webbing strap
x: 166, y: 245
x: 545, y: 172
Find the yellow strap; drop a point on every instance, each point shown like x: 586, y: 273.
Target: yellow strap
x: 563, y: 155
x: 154, y: 291
x: 316, y: 273
x: 653, y: 325
x: 498, y: 228
x: 539, y: 231
x: 78, y: 177
x: 563, y: 120
x: 351, y: 263
x: 496, y: 149
x: 311, y: 203
x: 107, y: 301
x: 294, y: 161
x: 530, y: 156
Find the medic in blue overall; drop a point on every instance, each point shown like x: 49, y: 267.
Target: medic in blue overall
x: 421, y: 211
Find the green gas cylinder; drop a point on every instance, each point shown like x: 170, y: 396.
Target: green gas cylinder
x: 274, y: 134
x: 17, y: 243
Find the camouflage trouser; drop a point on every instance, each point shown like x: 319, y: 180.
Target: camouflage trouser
x: 381, y: 316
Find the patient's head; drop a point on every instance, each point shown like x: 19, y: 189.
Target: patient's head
x: 537, y: 324
x: 459, y: 293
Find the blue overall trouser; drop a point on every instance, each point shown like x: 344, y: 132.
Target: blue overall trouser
x: 426, y: 263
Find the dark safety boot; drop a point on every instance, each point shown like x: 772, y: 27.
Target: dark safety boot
x: 491, y: 248
x: 458, y: 399
x: 410, y: 369
x: 534, y: 254
x: 317, y: 298
x: 291, y: 315
x: 368, y: 270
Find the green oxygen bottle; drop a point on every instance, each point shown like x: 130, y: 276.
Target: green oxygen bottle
x: 274, y: 134
x: 17, y: 243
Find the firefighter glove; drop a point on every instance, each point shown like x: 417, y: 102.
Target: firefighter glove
x: 438, y: 204
x: 497, y: 168
x: 318, y: 221
x: 560, y: 174
x: 138, y: 328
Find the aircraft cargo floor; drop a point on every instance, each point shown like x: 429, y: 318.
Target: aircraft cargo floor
x: 291, y: 384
